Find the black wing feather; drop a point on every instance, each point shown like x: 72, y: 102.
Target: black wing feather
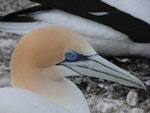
x: 136, y: 29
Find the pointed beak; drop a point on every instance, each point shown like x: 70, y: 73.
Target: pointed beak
x: 96, y: 66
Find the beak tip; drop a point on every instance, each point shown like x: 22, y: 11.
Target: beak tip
x: 137, y: 82
x: 143, y: 86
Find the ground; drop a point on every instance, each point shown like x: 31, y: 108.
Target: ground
x: 102, y: 96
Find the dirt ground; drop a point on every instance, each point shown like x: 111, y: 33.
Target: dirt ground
x: 102, y: 96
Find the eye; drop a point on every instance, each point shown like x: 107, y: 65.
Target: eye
x: 71, y: 56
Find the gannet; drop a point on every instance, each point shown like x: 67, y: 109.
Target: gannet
x: 113, y: 28
x: 41, y: 61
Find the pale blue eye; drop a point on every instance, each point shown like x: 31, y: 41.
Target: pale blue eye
x: 71, y: 56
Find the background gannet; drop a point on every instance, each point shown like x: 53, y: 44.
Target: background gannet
x: 114, y: 28
x: 39, y: 64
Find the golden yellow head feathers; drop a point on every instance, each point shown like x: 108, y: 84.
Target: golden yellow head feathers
x: 46, y: 46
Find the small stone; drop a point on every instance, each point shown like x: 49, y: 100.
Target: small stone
x: 147, y: 83
x: 132, y: 98
x: 124, y: 60
x: 137, y: 110
x: 101, y: 85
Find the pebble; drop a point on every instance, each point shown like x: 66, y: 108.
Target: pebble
x: 137, y: 110
x: 5, y: 82
x: 147, y: 83
x: 132, y: 98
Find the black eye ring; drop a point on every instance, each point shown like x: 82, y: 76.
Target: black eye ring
x: 71, y: 56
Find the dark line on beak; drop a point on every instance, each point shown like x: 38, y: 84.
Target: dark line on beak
x: 106, y: 66
x: 98, y: 72
x: 72, y: 69
x: 109, y: 74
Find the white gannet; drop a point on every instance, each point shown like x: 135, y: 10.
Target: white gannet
x: 114, y: 28
x: 39, y: 64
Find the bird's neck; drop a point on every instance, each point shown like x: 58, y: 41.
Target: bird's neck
x: 59, y: 90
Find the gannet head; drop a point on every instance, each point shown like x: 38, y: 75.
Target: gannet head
x: 45, y: 56
x: 65, y: 53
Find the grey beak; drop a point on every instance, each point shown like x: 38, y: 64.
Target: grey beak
x: 96, y: 66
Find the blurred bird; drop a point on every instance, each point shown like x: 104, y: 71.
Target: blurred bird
x: 114, y: 28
